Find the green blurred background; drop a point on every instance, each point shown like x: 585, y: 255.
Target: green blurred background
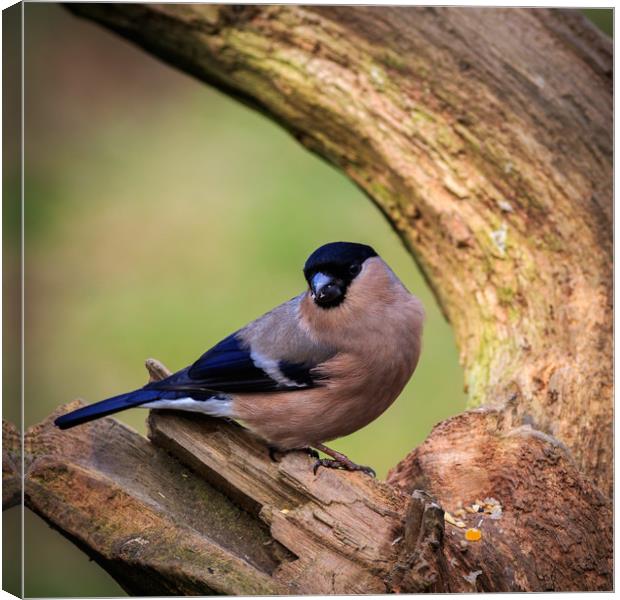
x: 161, y: 216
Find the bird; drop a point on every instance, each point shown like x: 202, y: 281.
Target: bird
x: 315, y: 368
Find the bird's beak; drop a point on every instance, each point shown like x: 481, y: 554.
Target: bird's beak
x: 325, y: 288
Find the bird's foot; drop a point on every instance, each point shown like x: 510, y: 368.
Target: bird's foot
x: 339, y: 461
x: 332, y: 463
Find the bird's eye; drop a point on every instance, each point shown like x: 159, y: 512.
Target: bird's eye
x: 355, y: 268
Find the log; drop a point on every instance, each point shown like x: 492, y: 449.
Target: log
x: 153, y: 524
x: 484, y: 136
x: 201, y: 508
x: 341, y: 528
x: 160, y: 526
x: 137, y: 511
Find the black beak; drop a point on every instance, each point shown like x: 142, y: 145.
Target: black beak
x: 327, y: 290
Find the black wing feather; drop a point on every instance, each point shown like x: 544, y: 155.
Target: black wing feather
x: 228, y: 368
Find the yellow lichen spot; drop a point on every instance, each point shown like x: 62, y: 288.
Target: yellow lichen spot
x: 473, y: 535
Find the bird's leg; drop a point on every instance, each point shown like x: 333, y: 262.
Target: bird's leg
x: 339, y: 461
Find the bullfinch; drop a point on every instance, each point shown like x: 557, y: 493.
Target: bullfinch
x: 315, y: 368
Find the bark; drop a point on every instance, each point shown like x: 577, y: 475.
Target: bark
x: 155, y: 526
x: 484, y: 135
x: 203, y: 509
x: 555, y: 527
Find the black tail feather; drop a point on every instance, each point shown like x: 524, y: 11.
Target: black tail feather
x: 106, y: 407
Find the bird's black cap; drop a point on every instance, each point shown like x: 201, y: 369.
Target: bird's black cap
x: 338, y: 254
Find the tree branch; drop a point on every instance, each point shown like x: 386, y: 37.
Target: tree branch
x: 153, y: 524
x: 202, y: 509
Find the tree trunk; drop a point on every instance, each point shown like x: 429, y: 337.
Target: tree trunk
x: 484, y: 135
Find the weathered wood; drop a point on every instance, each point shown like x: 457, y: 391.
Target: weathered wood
x: 484, y: 135
x: 220, y: 516
x: 556, y: 528
x: 160, y: 527
x: 343, y: 530
x: 155, y: 526
x: 341, y: 526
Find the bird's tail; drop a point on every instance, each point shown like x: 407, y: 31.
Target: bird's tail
x: 106, y: 407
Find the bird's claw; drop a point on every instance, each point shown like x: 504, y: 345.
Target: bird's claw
x: 340, y: 462
x: 325, y: 462
x: 368, y: 470
x: 331, y: 463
